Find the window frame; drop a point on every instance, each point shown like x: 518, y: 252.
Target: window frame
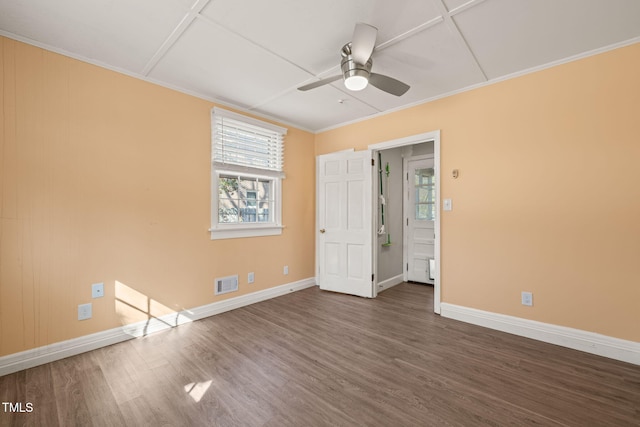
x: 219, y: 230
x: 246, y: 229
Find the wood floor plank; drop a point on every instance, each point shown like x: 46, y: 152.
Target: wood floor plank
x: 317, y: 358
x: 68, y: 376
x: 40, y: 389
x: 13, y: 389
x: 388, y: 390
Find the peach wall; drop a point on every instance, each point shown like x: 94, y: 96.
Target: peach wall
x: 548, y: 198
x: 106, y: 178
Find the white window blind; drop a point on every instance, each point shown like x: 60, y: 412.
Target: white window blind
x: 246, y: 142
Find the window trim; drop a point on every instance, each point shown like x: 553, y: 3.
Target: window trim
x: 273, y: 174
x: 245, y: 229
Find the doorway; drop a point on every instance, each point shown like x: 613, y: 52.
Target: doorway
x: 388, y: 245
x: 414, y: 253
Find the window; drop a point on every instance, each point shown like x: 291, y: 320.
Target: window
x: 425, y: 194
x: 244, y: 200
x: 246, y: 175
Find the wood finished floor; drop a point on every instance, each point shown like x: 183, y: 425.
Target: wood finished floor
x: 314, y: 358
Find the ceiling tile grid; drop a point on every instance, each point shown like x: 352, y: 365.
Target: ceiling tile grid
x: 211, y: 60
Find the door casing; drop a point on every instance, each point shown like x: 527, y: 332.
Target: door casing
x: 433, y: 136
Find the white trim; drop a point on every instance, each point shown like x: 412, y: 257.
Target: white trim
x: 390, y: 283
x: 437, y: 278
x: 589, y: 342
x: 220, y: 231
x: 229, y: 169
x: 411, y: 140
x: 238, y: 233
x: 375, y: 182
x: 49, y: 353
x: 469, y: 4
x: 177, y: 32
x: 407, y: 140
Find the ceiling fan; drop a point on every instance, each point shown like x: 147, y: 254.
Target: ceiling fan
x: 356, y: 65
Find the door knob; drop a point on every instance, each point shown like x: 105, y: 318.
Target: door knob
x: 322, y: 230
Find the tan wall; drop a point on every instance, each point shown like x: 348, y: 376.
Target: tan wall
x: 106, y: 178
x: 548, y: 198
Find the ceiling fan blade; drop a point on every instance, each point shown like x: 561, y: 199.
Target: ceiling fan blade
x: 388, y: 84
x: 363, y: 42
x: 320, y: 83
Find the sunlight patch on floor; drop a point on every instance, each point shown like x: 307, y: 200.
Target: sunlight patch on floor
x: 197, y: 390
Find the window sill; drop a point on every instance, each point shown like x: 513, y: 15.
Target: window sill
x: 243, y: 232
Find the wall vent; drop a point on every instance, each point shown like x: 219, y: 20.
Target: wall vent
x: 226, y: 284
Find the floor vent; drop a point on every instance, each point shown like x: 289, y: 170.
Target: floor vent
x: 226, y: 284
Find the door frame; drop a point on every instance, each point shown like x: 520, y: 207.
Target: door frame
x: 433, y: 136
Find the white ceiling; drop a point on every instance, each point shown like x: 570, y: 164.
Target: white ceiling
x: 253, y: 54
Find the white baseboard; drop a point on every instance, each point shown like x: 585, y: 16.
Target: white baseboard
x: 389, y: 283
x: 49, y: 353
x: 589, y: 342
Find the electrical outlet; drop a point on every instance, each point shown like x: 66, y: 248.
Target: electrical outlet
x: 84, y: 311
x: 251, y: 277
x: 97, y: 290
x: 285, y: 270
x: 527, y: 298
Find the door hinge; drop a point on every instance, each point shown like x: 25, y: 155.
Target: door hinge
x: 407, y: 222
x: 407, y: 266
x: 407, y: 176
x: 373, y: 162
x: 372, y: 276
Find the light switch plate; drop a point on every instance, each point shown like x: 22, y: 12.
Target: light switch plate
x: 447, y: 205
x: 527, y: 298
x: 97, y: 290
x: 84, y: 311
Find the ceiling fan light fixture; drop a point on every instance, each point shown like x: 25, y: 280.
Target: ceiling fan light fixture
x: 357, y: 81
x: 356, y: 76
x: 356, y: 66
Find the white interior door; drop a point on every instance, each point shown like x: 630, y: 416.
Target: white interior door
x: 420, y: 220
x: 345, y: 223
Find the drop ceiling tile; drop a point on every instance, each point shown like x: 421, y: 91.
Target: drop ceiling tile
x: 311, y: 33
x: 122, y: 34
x: 214, y: 62
x: 316, y: 109
x: 457, y: 6
x: 188, y: 3
x: 508, y: 36
x: 454, y: 4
